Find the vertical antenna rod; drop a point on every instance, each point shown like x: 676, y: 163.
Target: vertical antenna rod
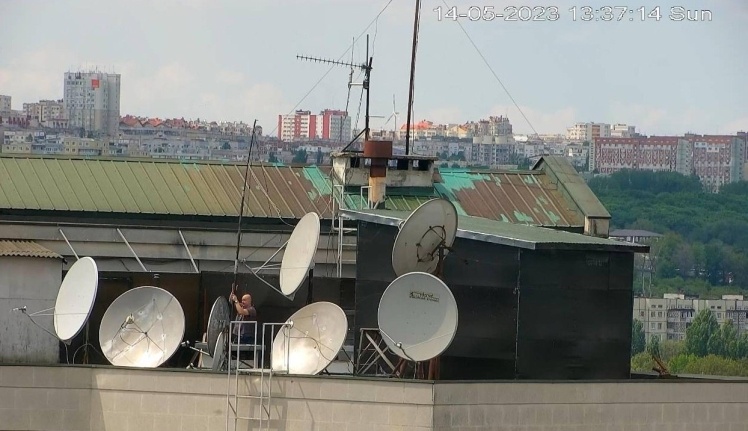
x: 241, y: 207
x: 367, y: 76
x: 412, y: 76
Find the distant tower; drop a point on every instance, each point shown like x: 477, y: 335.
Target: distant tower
x: 91, y: 101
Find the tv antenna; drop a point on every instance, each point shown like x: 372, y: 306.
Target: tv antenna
x: 366, y: 67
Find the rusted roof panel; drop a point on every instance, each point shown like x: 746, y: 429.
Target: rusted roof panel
x: 161, y: 187
x: 25, y: 249
x: 571, y: 185
x: 515, y: 197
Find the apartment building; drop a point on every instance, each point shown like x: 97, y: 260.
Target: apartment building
x: 588, y: 131
x: 716, y: 160
x: 667, y: 318
x: 44, y: 111
x: 622, y: 131
x: 92, y: 101
x: 301, y: 125
x: 334, y: 125
x: 5, y: 103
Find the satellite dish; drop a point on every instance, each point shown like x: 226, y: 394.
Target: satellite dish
x: 417, y: 316
x: 298, y: 256
x: 431, y: 225
x: 75, y: 299
x: 218, y: 321
x: 143, y: 327
x: 313, y: 340
x: 219, y: 352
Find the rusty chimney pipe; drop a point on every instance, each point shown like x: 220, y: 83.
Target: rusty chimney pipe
x: 380, y: 153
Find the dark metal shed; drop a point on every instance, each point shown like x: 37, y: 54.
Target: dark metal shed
x: 534, y: 303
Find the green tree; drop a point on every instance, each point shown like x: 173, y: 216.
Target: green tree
x: 300, y: 156
x: 637, y: 337
x: 319, y: 155
x: 226, y: 146
x: 702, y: 330
x: 272, y: 158
x: 653, y: 347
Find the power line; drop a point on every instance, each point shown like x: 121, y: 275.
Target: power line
x: 494, y: 73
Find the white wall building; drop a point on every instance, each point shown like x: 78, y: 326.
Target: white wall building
x: 588, y: 131
x: 622, y: 131
x: 91, y: 101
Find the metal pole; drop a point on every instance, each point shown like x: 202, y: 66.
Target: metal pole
x: 412, y: 76
x: 241, y: 207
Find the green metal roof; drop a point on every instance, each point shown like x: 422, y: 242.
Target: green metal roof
x: 572, y: 185
x: 160, y: 187
x: 511, y: 234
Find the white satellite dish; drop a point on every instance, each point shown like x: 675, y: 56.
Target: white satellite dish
x: 143, y: 328
x: 431, y: 226
x: 312, y: 341
x: 75, y: 299
x: 219, y: 353
x: 417, y: 316
x: 218, y: 322
x: 298, y: 256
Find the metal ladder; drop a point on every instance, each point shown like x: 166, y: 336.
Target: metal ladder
x: 237, y: 367
x: 338, y: 227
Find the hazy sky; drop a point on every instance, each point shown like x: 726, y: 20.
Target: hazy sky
x: 236, y: 60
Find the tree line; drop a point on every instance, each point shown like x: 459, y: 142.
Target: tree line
x: 704, y: 250
x: 708, y: 349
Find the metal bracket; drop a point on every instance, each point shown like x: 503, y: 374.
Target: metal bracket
x: 68, y: 243
x: 131, y: 250
x: 194, y: 265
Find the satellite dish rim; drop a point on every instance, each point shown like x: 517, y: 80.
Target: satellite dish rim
x: 412, y: 229
x: 328, y: 309
x: 83, y: 273
x: 169, y: 351
x: 299, y: 253
x: 397, y: 346
x: 218, y: 353
x: 220, y: 306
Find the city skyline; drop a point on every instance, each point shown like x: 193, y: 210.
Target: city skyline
x: 664, y: 77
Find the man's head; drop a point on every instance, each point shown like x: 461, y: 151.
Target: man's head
x: 247, y: 300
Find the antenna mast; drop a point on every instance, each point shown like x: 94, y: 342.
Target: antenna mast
x: 366, y: 67
x: 241, y: 207
x: 412, y: 76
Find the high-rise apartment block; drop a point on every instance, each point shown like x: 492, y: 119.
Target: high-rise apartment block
x: 334, y: 125
x: 330, y: 125
x: 91, y: 101
x: 4, y: 103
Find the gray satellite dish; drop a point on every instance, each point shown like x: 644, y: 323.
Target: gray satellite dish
x: 218, y: 321
x: 75, y: 299
x: 314, y: 338
x: 417, y: 316
x: 298, y: 255
x: 431, y: 226
x: 219, y: 352
x: 143, y: 328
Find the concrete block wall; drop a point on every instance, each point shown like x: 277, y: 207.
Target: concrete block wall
x: 595, y: 406
x: 81, y: 398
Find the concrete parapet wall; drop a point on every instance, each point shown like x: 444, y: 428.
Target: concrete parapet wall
x: 86, y: 398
